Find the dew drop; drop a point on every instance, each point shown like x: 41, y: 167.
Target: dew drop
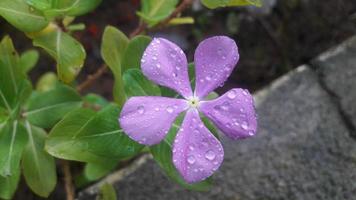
x: 251, y: 133
x: 157, y: 109
x: 210, y: 155
x: 231, y: 94
x: 154, y: 57
x: 208, y: 78
x: 169, y: 109
x: 191, y: 160
x: 244, y: 125
x: 158, y: 65
x: 191, y: 147
x: 143, y: 60
x: 245, y: 92
x: 141, y: 109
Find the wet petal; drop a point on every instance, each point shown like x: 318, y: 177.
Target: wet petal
x: 166, y: 64
x: 233, y: 113
x: 197, y: 154
x: 147, y: 120
x: 215, y: 58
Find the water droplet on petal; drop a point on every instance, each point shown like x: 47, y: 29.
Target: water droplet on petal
x: 231, y: 94
x: 251, y: 133
x: 210, y: 155
x: 141, y: 109
x: 169, y: 109
x: 154, y: 57
x: 244, y: 125
x: 191, y: 147
x: 191, y: 160
x: 158, y: 65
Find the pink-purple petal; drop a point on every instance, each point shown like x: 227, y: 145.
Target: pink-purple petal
x: 233, y: 113
x: 197, y: 154
x: 214, y: 60
x: 166, y: 64
x: 147, y: 120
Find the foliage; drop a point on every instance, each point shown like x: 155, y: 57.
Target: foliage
x: 53, y: 120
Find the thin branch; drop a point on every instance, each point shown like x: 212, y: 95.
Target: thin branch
x: 92, y: 78
x: 68, y: 184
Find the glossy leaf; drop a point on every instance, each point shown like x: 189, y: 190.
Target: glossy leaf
x: 162, y: 153
x: 223, y: 3
x: 67, y: 51
x: 95, y: 100
x: 47, y: 108
x: 38, y: 166
x: 10, y: 74
x: 46, y: 82
x: 70, y: 7
x: 22, y: 16
x: 87, y: 136
x: 13, y: 140
x: 107, y: 192
x: 114, y: 44
x: 8, y: 185
x: 136, y: 84
x: 154, y: 11
x: 134, y: 52
x: 28, y: 60
x: 94, y: 171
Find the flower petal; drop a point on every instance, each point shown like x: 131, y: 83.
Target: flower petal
x: 166, y: 64
x: 197, y: 154
x: 215, y: 58
x: 147, y: 120
x: 233, y: 113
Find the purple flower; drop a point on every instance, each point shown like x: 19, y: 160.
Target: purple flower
x: 197, y: 154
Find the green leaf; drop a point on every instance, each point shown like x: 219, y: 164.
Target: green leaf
x: 22, y: 16
x: 162, y: 153
x: 223, y: 3
x: 154, y: 11
x: 38, y: 166
x: 46, y: 82
x: 136, y: 84
x: 107, y: 192
x: 94, y: 171
x: 10, y: 74
x: 87, y: 136
x: 47, y: 108
x: 181, y: 20
x: 114, y: 44
x: 13, y: 139
x: 28, y: 60
x: 95, y: 101
x: 134, y: 52
x: 8, y: 185
x: 70, y: 7
x: 67, y: 51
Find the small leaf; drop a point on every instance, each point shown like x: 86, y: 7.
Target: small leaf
x: 87, y: 136
x: 94, y: 171
x: 46, y: 82
x: 154, y: 11
x: 28, y: 60
x: 71, y: 8
x: 223, y: 3
x: 22, y: 16
x: 162, y: 153
x: 114, y: 44
x: 47, y: 108
x: 67, y: 51
x: 181, y: 20
x: 38, y: 166
x: 13, y: 139
x: 136, y: 84
x: 95, y: 100
x: 8, y: 185
x: 107, y: 192
x: 10, y: 74
x: 134, y: 52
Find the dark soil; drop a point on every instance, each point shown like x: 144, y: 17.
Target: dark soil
x: 295, y: 32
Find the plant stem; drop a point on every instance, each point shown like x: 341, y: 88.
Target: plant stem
x: 68, y: 184
x: 92, y: 78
